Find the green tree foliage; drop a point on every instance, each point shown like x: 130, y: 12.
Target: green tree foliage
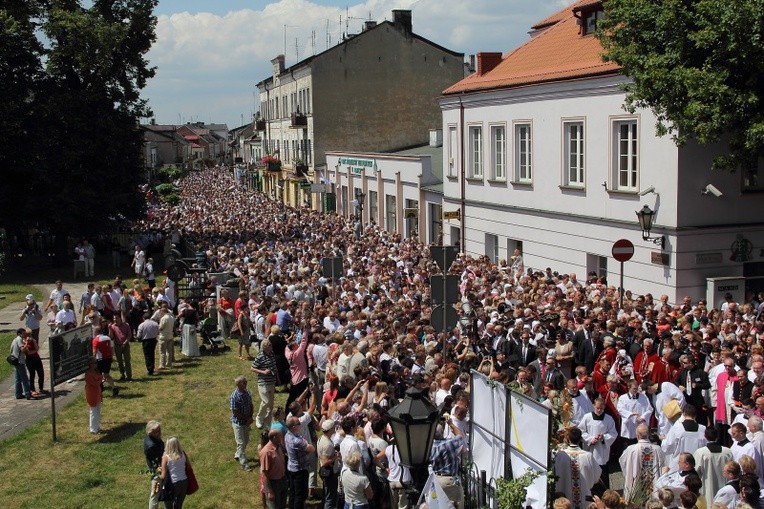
x: 698, y: 64
x: 72, y: 160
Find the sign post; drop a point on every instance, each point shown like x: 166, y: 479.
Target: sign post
x: 622, y: 251
x: 445, y: 290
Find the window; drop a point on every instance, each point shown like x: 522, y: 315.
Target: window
x: 626, y: 155
x: 476, y: 152
x: 753, y: 178
x: 492, y: 247
x: 597, y: 264
x: 452, y: 149
x: 499, y: 152
x: 390, y: 213
x: 412, y: 217
x: 436, y: 223
x: 373, y: 212
x: 574, y: 154
x: 591, y: 20
x: 523, y: 155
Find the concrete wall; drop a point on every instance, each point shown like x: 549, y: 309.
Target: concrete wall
x: 379, y: 90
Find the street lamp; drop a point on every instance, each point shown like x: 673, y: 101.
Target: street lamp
x: 360, y: 197
x: 413, y: 422
x: 646, y: 216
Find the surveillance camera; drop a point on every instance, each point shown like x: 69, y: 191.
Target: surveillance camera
x: 647, y: 191
x: 710, y: 188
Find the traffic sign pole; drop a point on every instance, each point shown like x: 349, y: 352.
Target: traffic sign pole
x: 622, y: 251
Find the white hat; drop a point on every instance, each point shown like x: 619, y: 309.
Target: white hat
x: 327, y: 425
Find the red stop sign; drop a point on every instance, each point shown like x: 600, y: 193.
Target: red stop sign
x: 623, y: 250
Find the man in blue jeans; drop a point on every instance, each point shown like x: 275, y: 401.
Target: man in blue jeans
x: 18, y: 350
x: 299, y: 452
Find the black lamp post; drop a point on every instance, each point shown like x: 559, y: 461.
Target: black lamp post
x: 413, y: 422
x: 646, y: 216
x: 360, y: 197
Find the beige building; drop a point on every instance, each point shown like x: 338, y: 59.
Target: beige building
x: 377, y: 90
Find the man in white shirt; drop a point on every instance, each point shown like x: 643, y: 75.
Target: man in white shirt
x: 741, y: 445
x: 755, y: 425
x: 56, y: 296
x: 685, y: 435
x: 634, y: 409
x: 398, y: 477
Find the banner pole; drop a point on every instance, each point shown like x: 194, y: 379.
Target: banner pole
x: 52, y: 390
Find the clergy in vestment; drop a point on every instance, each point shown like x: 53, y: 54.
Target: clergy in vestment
x: 641, y: 463
x: 598, y: 432
x: 741, y: 445
x: 710, y: 461
x: 577, y: 471
x: 683, y: 436
x: 634, y: 409
x: 669, y: 392
x: 755, y: 425
x: 674, y: 480
x: 729, y: 494
x: 582, y: 405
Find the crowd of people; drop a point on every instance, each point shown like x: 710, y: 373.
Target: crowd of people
x: 670, y: 394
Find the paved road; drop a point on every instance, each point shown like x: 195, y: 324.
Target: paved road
x: 17, y: 415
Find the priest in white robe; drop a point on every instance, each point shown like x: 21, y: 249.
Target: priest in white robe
x: 577, y: 471
x: 674, y: 480
x: 755, y: 425
x: 582, y: 405
x: 634, y: 409
x: 598, y: 432
x: 641, y: 463
x: 741, y: 445
x: 669, y: 392
x: 710, y: 461
x: 684, y: 436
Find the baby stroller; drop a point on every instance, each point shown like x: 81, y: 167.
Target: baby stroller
x: 211, y: 338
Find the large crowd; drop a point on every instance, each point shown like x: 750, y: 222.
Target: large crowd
x: 669, y: 394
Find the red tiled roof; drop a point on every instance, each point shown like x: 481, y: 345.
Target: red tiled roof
x: 558, y: 53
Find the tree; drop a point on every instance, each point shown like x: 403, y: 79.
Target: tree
x: 74, y: 112
x: 697, y: 64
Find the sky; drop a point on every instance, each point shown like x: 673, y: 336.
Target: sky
x: 209, y: 54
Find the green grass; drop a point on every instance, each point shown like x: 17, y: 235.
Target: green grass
x: 81, y: 470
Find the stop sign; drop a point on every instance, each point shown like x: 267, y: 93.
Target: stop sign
x: 623, y: 250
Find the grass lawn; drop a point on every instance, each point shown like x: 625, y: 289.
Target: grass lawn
x: 107, y: 471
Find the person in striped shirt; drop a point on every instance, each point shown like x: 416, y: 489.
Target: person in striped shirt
x: 265, y: 367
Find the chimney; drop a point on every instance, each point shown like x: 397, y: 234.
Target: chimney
x: 402, y: 20
x: 436, y: 137
x: 471, y: 67
x: 369, y: 24
x: 486, y: 61
x: 278, y: 65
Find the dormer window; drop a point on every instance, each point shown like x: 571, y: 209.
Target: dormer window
x: 591, y: 19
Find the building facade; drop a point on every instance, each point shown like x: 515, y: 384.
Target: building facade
x: 375, y: 91
x: 540, y: 155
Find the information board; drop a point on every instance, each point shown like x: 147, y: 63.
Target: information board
x: 70, y: 352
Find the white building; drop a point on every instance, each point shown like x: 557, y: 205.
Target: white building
x: 540, y: 155
x: 402, y: 191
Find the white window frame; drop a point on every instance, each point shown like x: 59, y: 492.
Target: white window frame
x: 625, y: 164
x: 574, y: 172
x: 523, y: 151
x: 476, y: 151
x: 499, y: 152
x: 453, y: 150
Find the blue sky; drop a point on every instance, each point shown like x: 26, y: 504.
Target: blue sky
x: 209, y: 54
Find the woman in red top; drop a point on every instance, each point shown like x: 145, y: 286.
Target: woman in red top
x: 329, y: 396
x: 34, y: 364
x: 94, y: 395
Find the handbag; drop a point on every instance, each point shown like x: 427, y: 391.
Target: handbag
x: 193, y: 484
x: 672, y: 410
x: 12, y: 360
x: 166, y: 490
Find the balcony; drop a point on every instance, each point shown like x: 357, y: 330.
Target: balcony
x: 299, y: 120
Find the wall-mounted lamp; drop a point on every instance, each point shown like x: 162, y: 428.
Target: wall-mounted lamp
x: 646, y: 216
